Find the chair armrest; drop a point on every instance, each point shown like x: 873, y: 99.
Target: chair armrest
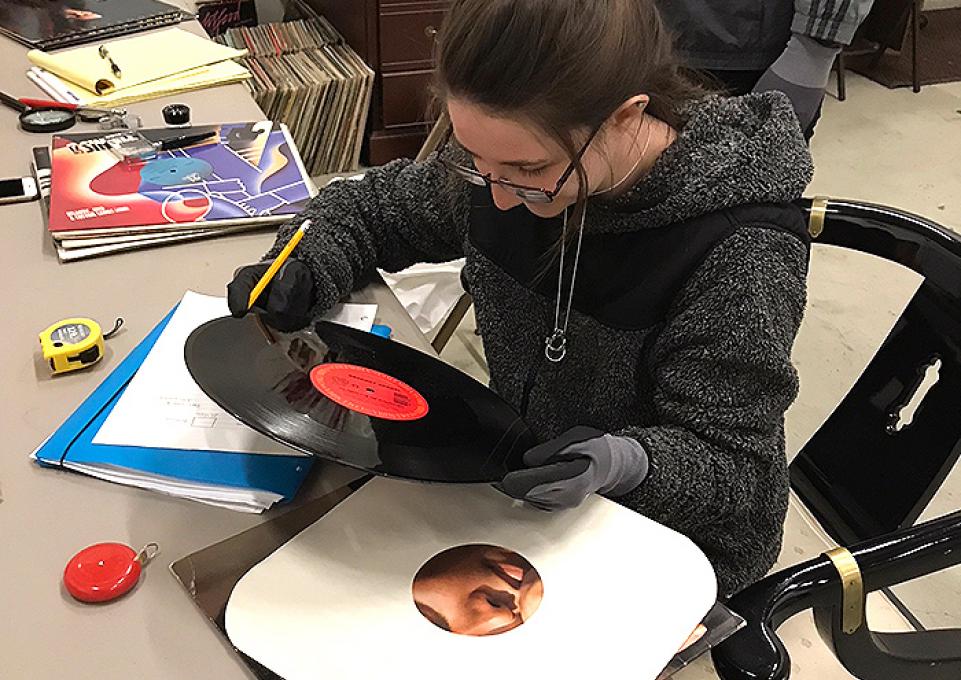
x: 756, y: 652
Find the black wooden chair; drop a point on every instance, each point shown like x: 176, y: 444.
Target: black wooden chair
x: 834, y: 586
x: 870, y: 470
x: 464, y: 302
x: 884, y: 29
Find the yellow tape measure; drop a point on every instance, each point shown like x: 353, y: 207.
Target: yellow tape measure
x: 74, y: 343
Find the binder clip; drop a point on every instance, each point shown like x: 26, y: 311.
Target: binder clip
x: 133, y: 148
x: 120, y: 120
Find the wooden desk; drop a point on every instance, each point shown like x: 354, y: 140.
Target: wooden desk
x: 48, y: 515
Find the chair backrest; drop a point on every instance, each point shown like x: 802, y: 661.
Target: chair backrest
x: 864, y: 473
x: 437, y: 133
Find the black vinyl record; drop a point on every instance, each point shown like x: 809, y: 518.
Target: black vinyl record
x: 358, y: 399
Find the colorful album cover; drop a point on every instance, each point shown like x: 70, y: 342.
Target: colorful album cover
x: 245, y: 172
x: 49, y: 24
x: 217, y: 16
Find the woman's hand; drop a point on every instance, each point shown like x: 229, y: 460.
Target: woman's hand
x: 285, y: 303
x: 564, y: 471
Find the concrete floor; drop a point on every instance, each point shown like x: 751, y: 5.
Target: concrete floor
x: 885, y: 146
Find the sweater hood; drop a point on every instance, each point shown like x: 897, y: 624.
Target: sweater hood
x: 732, y: 151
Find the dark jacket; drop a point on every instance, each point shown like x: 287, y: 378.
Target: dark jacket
x: 751, y: 34
x: 689, y: 294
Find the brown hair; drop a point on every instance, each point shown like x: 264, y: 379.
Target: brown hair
x: 565, y: 65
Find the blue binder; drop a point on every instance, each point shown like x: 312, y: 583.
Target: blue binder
x: 73, y: 443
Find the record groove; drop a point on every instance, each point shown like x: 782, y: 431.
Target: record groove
x: 411, y: 415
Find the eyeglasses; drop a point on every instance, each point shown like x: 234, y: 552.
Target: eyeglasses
x: 525, y: 193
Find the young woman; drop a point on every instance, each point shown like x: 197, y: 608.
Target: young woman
x: 637, y: 267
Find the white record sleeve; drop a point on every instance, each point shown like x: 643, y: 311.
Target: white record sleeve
x: 621, y: 593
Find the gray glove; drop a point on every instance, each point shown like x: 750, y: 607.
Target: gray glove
x: 801, y: 72
x: 567, y: 469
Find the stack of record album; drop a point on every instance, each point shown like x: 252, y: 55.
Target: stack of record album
x: 52, y: 24
x: 306, y: 76
x: 216, y: 16
x: 234, y: 177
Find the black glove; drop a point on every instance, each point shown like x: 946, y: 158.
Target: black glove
x: 285, y: 303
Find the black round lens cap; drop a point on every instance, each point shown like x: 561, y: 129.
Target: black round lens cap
x: 176, y: 114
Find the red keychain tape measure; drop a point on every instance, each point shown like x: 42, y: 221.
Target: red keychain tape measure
x: 106, y: 571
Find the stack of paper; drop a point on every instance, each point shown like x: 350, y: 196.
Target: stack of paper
x: 148, y: 66
x: 149, y: 425
x: 306, y: 76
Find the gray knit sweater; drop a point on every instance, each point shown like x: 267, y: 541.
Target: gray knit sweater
x: 689, y: 295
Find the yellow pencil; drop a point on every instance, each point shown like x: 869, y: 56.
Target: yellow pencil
x: 277, y: 263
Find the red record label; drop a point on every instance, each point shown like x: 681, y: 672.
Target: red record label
x: 370, y: 392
